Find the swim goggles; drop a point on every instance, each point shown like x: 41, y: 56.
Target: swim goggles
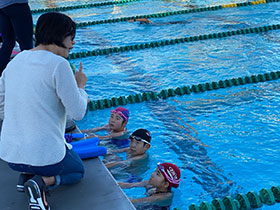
x: 169, y: 174
x: 139, y: 139
x: 120, y: 113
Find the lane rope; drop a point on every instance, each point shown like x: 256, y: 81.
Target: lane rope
x: 161, y: 43
x: 250, y: 200
x: 83, y: 6
x: 179, y: 91
x: 178, y: 12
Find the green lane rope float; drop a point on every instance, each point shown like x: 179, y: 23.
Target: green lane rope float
x: 178, y: 12
x: 73, y: 67
x: 252, y: 200
x: 154, y: 44
x: 186, y: 90
x: 59, y: 9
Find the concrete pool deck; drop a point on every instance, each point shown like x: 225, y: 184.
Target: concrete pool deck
x: 98, y: 190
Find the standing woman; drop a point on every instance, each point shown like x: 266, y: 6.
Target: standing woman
x: 37, y: 91
x: 15, y: 24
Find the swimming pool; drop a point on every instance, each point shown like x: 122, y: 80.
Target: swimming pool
x: 225, y: 141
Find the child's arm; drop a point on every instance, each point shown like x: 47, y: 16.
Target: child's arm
x: 116, y: 163
x: 113, y: 163
x: 128, y: 161
x: 138, y: 157
x: 153, y: 198
x: 101, y: 128
x: 126, y: 149
x: 92, y: 135
x: 125, y: 185
x: 112, y: 135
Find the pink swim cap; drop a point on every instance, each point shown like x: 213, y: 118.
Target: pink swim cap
x: 123, y: 112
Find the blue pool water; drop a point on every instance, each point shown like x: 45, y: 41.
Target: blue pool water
x: 225, y: 141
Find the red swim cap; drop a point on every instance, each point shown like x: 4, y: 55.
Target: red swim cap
x: 171, y: 173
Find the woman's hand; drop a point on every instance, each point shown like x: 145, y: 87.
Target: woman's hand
x: 80, y: 77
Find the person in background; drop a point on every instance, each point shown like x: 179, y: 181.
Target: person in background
x: 15, y: 24
x: 149, y: 22
x: 34, y: 103
x: 158, y: 187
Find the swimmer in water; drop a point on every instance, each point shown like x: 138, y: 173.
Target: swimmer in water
x: 158, y: 187
x: 148, y: 22
x: 116, y: 127
x: 140, y: 142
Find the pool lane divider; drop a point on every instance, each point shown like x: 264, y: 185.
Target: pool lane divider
x: 180, y: 91
x: 161, y: 43
x: 83, y: 6
x: 178, y: 12
x: 251, y: 200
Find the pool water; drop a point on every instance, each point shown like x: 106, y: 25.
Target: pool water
x: 224, y: 141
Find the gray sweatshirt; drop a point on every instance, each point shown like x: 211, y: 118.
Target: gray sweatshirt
x: 37, y: 90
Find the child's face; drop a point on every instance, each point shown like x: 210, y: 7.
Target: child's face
x: 158, y: 180
x: 138, y: 147
x: 116, y: 122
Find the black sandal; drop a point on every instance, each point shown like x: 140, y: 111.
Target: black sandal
x: 35, y: 188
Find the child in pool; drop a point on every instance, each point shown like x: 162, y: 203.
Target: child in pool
x: 158, y: 187
x: 116, y: 127
x: 140, y: 142
x: 147, y: 21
